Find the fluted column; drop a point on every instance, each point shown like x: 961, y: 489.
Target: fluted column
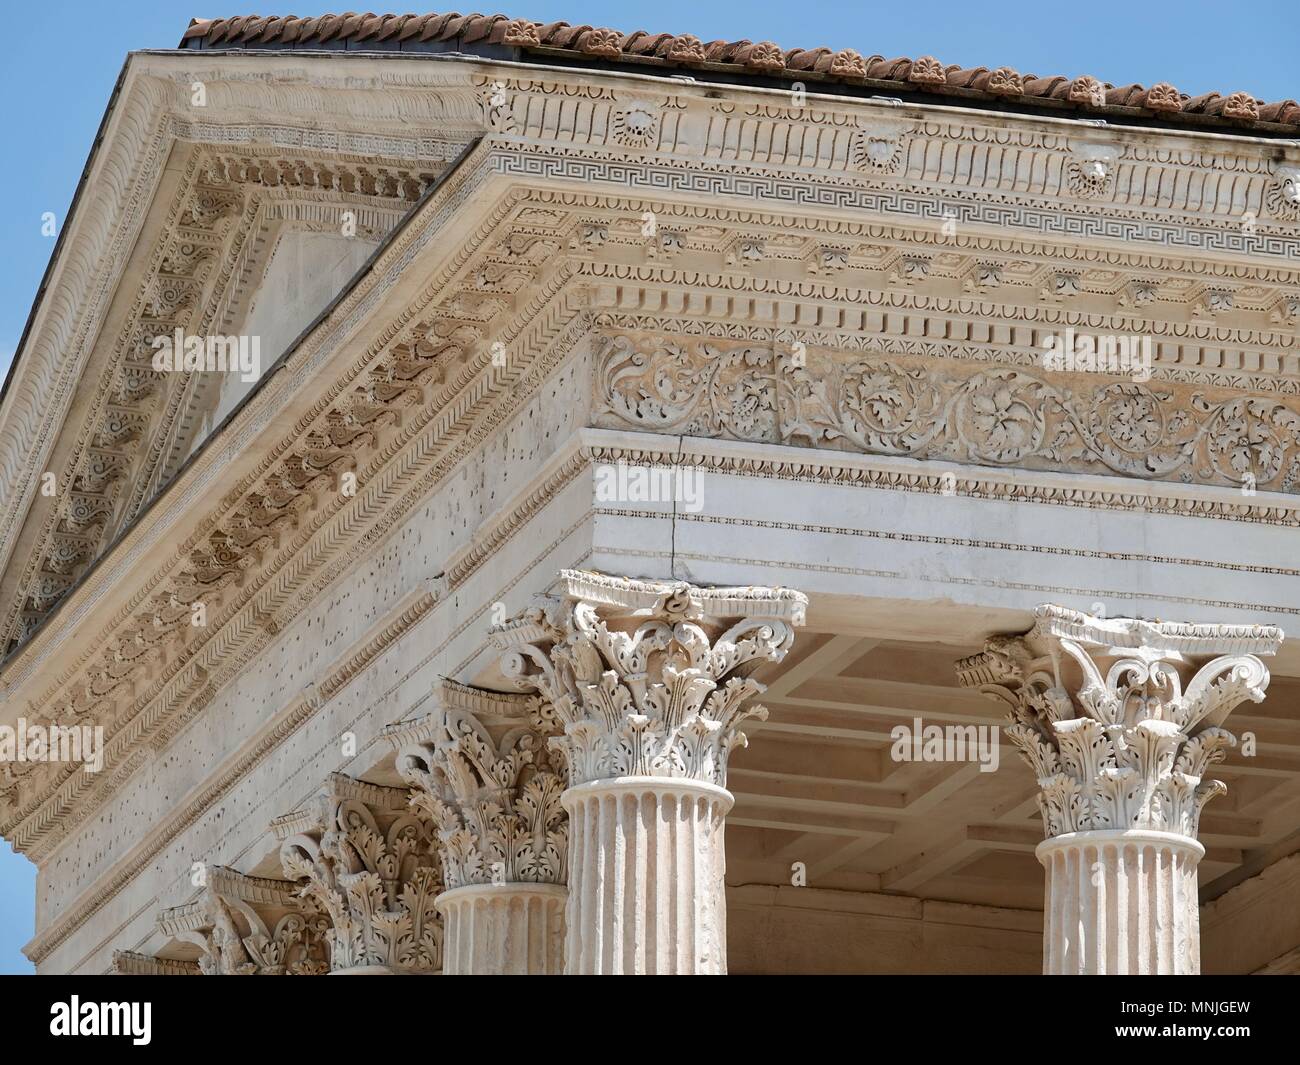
x: 479, y: 767
x: 649, y: 681
x: 368, y: 863
x: 1120, y: 719
x: 514, y: 929
x: 647, y: 880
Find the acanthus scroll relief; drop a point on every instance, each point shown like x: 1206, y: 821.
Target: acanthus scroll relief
x: 997, y: 416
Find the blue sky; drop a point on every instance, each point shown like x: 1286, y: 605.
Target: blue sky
x: 64, y: 56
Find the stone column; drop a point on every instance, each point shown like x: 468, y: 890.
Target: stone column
x: 649, y: 682
x: 368, y: 863
x: 1119, y: 719
x: 479, y: 768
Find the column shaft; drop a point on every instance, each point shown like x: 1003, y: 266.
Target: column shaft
x: 1121, y: 903
x: 503, y: 930
x: 646, y: 893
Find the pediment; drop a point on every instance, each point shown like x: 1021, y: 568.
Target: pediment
x: 236, y: 248
x: 194, y: 216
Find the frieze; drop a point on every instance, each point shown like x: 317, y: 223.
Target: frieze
x: 996, y: 416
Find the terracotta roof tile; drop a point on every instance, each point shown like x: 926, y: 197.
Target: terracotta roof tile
x: 925, y: 74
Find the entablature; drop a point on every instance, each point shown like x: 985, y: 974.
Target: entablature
x: 539, y: 242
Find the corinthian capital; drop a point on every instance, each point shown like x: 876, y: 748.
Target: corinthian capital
x: 645, y: 677
x: 368, y: 863
x: 245, y: 925
x: 1120, y: 718
x: 479, y: 769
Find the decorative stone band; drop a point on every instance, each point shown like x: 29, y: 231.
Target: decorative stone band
x: 1087, y: 417
x: 1120, y: 718
x: 648, y: 677
x: 647, y: 893
x: 1121, y: 903
x: 246, y: 925
x: 369, y: 864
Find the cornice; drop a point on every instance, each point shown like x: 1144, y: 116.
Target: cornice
x: 979, y: 208
x: 150, y: 115
x: 190, y: 279
x: 283, y: 386
x: 844, y: 71
x: 104, y: 226
x: 390, y: 94
x: 434, y: 440
x: 372, y: 102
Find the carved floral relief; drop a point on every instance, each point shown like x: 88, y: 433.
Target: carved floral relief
x: 996, y: 416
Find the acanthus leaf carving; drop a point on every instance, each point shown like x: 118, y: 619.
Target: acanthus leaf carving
x: 996, y: 416
x: 1119, y: 719
x: 491, y: 789
x: 649, y: 678
x: 371, y: 867
x: 248, y: 926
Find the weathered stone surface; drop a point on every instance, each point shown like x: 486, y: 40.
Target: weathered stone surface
x: 626, y: 359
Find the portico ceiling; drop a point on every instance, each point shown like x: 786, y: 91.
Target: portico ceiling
x: 817, y: 784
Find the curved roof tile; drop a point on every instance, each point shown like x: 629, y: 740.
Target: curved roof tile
x: 924, y: 74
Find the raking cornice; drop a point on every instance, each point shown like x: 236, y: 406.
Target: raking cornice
x: 376, y: 111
